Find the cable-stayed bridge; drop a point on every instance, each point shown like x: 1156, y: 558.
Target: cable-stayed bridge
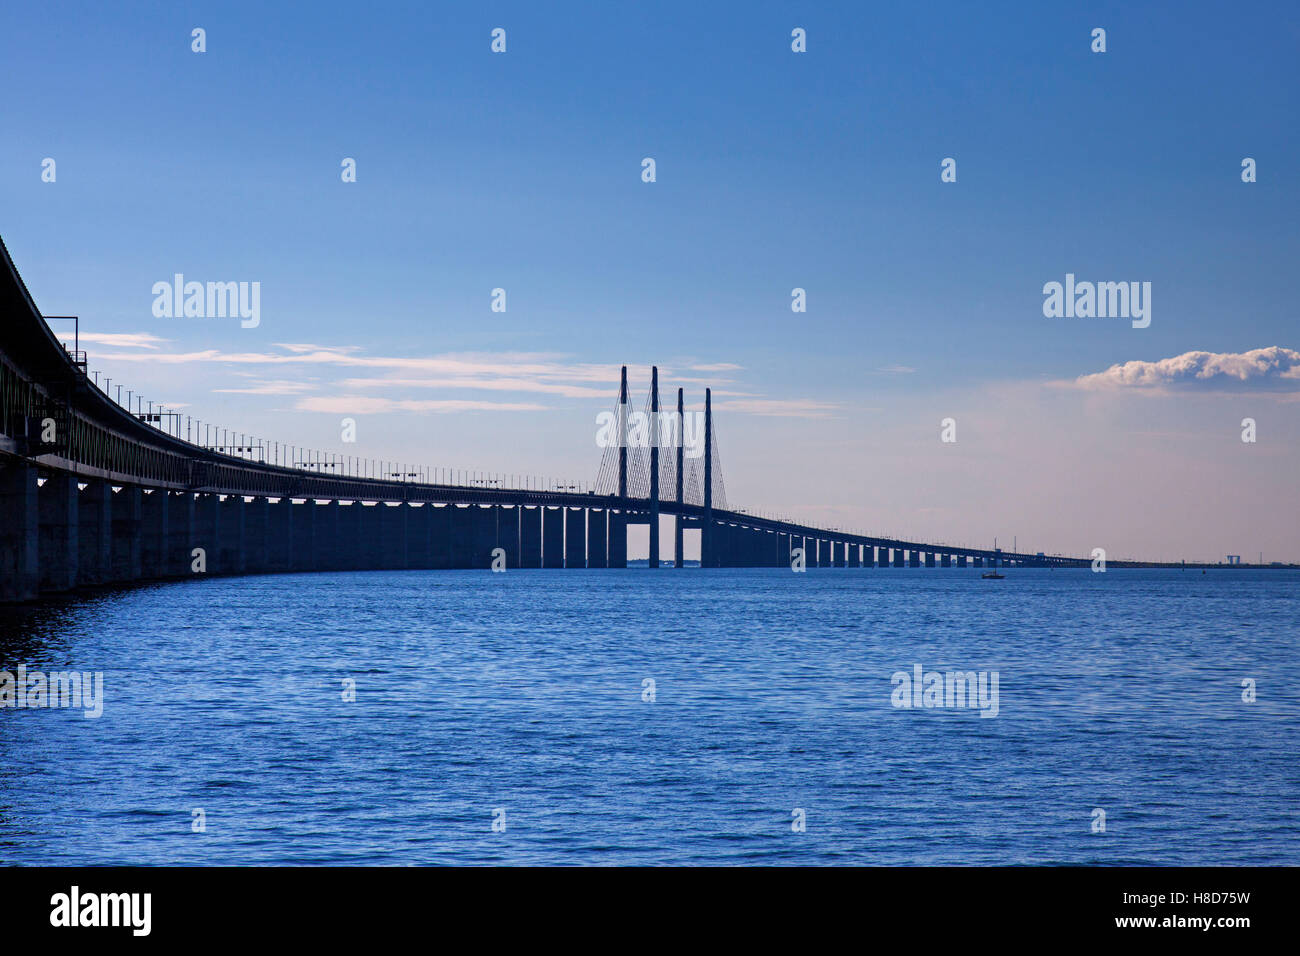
x: 94, y: 492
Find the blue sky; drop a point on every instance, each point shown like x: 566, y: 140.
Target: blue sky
x: 775, y: 170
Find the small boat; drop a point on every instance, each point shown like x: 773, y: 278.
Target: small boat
x: 992, y: 576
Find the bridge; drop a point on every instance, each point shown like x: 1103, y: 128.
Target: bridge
x: 96, y: 493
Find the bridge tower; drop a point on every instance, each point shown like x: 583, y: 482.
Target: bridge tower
x: 706, y: 534
x: 622, y: 436
x: 654, y: 466
x: 681, y: 463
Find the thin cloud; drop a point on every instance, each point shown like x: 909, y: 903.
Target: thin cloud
x: 270, y: 388
x: 715, y: 367
x: 470, y: 382
x: 779, y: 408
x: 369, y: 404
x: 897, y: 369
x: 121, y: 340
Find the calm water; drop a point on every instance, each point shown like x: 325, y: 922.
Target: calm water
x: 523, y: 691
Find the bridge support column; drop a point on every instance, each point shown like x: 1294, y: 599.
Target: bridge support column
x: 945, y: 561
x: 462, y: 537
x: 897, y: 554
x: 617, y: 539
x: 979, y: 561
x: 95, y: 533
x: 439, y: 536
x: 781, y: 550
x: 20, y: 533
x: 737, y: 543
x: 719, y: 555
x: 370, y: 554
x: 419, y: 541
x: 403, y: 521
x: 304, y: 536
x: 596, y: 544
x: 182, y: 533
x: 530, y: 537
x: 155, y: 538
x: 840, y: 554
x: 929, y: 559
x: 59, y: 549
x: 961, y: 560
x: 257, y: 515
x: 207, y: 532
x: 180, y: 528
x: 552, y: 538
x: 233, y: 560
x: 391, y: 541
x: 329, y: 551
x: 128, y: 505
x: 508, y: 533
x: 281, y: 535
x: 485, y: 535
x: 575, y: 538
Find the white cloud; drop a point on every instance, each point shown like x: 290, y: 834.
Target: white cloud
x: 123, y: 340
x: 1275, y: 366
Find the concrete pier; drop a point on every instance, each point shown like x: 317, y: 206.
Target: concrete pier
x: 462, y: 536
x: 95, y: 534
x: 280, y: 536
x: 128, y: 524
x: 391, y: 531
x: 20, y: 534
x: 508, y: 534
x: 257, y: 517
x: 617, y: 539
x: 597, y: 528
x: 575, y: 538
x: 439, y: 524
x: 530, y: 537
x: 552, y: 538
x: 155, y: 535
x: 207, y: 532
x: 233, y: 556
x: 60, y: 551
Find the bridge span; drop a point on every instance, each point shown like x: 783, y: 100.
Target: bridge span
x: 94, y: 494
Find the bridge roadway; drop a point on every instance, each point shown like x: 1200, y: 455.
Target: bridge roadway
x: 90, y: 495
